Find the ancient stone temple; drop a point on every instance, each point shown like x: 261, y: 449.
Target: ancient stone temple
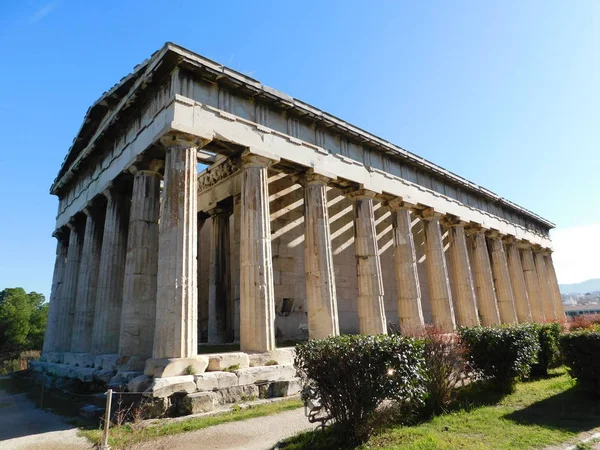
x: 199, y: 207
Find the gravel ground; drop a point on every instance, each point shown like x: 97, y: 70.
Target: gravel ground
x: 24, y: 427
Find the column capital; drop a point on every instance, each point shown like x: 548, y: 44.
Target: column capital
x: 494, y: 234
x: 115, y: 188
x: 360, y: 194
x: 183, y: 140
x: 450, y: 220
x: 525, y: 245
x: 398, y: 204
x: 219, y: 211
x: 61, y: 234
x: 473, y: 228
x: 427, y: 213
x: 253, y: 157
x: 315, y: 177
x: 508, y: 239
x: 150, y: 167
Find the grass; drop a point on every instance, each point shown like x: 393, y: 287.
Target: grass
x: 537, y: 414
x: 129, y: 434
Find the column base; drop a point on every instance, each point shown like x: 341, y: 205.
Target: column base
x: 172, y: 367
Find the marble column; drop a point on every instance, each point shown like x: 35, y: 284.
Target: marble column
x: 58, y: 279
x: 87, y: 282
x: 502, y: 282
x: 517, y: 280
x: 109, y: 298
x: 219, y: 326
x: 66, y: 311
x: 176, y: 329
x: 465, y: 301
x: 440, y: 295
x: 533, y: 285
x: 257, y: 294
x: 559, y: 308
x: 235, y: 265
x: 202, y: 299
x: 408, y: 288
x: 545, y: 291
x: 484, y: 280
x: 318, y: 261
x: 138, y: 314
x: 371, y: 310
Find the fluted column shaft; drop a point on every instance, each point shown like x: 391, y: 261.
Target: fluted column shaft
x: 440, y: 295
x: 58, y: 279
x: 87, y: 282
x: 69, y: 288
x: 138, y: 314
x: 465, y: 301
x: 257, y: 302
x: 559, y: 308
x: 408, y: 288
x: 484, y: 280
x: 533, y: 286
x: 318, y: 261
x: 545, y: 291
x: 219, y: 277
x: 176, y: 329
x: 371, y: 310
x: 502, y: 282
x: 109, y: 298
x: 235, y: 266
x: 517, y: 280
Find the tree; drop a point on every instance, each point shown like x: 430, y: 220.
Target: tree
x: 23, y: 319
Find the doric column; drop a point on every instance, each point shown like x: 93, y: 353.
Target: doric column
x: 371, y: 310
x: 219, y: 304
x: 58, y: 279
x: 465, y: 301
x: 175, y: 334
x: 440, y: 295
x: 502, y: 283
x: 318, y: 260
x: 408, y: 289
x: 138, y: 315
x: 559, y: 308
x: 87, y: 282
x: 484, y: 280
x: 235, y: 265
x: 545, y: 291
x: 533, y: 285
x: 69, y: 288
x: 257, y: 296
x: 202, y: 299
x: 109, y: 298
x: 517, y: 281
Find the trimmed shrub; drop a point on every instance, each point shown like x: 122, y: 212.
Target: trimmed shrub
x: 581, y: 353
x: 352, y: 375
x: 549, y: 354
x: 501, y: 354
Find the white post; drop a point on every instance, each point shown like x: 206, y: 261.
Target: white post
x: 105, y: 445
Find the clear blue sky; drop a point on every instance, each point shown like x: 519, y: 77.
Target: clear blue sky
x: 504, y: 93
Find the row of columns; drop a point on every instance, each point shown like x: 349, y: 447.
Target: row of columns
x: 126, y: 282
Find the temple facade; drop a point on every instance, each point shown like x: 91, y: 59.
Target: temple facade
x: 198, y: 206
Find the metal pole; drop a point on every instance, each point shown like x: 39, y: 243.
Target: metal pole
x: 105, y: 446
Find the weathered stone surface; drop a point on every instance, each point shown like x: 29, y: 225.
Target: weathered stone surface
x: 517, y: 280
x: 220, y: 312
x: 216, y: 380
x: 107, y: 362
x: 197, y: 402
x: 266, y: 373
x: 51, y: 336
x: 83, y: 374
x: 285, y: 388
x: 502, y: 283
x: 236, y: 394
x: 170, y: 367
x: 78, y: 359
x: 165, y: 387
x: 132, y: 363
x: 484, y: 280
x: 221, y: 361
x: 545, y: 288
x: 139, y: 384
x: 104, y: 375
x: 122, y: 378
x: 533, y: 285
x: 283, y: 355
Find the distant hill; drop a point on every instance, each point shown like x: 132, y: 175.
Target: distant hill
x: 581, y: 288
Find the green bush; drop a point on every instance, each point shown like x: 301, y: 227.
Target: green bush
x: 501, y: 354
x: 352, y: 375
x: 549, y: 354
x: 581, y: 353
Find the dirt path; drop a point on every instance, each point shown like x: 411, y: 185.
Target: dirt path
x: 24, y: 427
x: 261, y: 433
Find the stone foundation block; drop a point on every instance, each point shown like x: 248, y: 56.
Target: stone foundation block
x: 122, y: 378
x: 236, y: 394
x: 83, y: 374
x: 157, y: 407
x: 38, y: 366
x: 132, y: 363
x: 263, y: 374
x: 221, y: 361
x: 78, y: 359
x: 104, y: 376
x: 172, y: 367
x: 52, y: 357
x: 106, y: 362
x: 139, y: 384
x: 281, y: 355
x: 209, y: 381
x: 198, y: 402
x: 285, y: 388
x: 165, y: 387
